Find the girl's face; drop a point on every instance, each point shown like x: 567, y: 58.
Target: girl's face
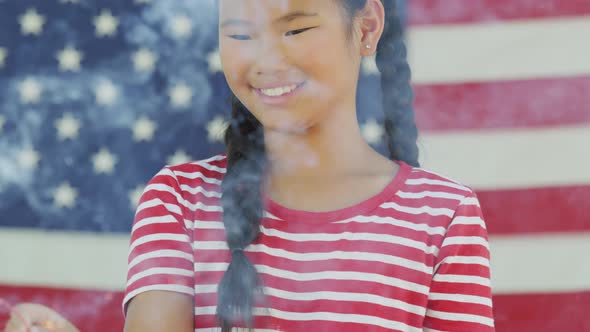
x: 288, y: 61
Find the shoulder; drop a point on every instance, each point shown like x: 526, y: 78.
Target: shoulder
x: 440, y: 200
x: 197, y: 180
x: 187, y: 182
x: 215, y: 161
x: 209, y: 170
x: 425, y: 183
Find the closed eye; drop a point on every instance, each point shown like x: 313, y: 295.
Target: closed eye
x: 289, y: 33
x: 298, y: 31
x: 239, y: 37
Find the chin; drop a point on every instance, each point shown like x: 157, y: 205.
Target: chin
x: 288, y: 127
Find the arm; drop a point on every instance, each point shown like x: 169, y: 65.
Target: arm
x: 160, y: 311
x: 160, y: 280
x: 460, y: 296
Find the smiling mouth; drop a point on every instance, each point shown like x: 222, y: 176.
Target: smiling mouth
x: 279, y: 91
x: 279, y: 95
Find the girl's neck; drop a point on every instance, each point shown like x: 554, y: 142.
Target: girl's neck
x: 321, y: 151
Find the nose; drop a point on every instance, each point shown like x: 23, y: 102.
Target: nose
x: 271, y: 57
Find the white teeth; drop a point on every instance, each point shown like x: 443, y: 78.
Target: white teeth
x: 275, y: 92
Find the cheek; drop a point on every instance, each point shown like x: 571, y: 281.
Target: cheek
x: 330, y: 62
x: 234, y: 67
x: 230, y: 65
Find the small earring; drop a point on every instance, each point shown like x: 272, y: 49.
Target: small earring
x: 368, y: 46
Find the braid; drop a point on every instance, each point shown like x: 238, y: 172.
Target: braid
x: 400, y: 126
x: 242, y: 214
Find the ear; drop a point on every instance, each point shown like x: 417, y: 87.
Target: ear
x: 372, y: 21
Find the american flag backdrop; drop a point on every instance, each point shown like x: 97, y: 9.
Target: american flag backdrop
x: 97, y: 96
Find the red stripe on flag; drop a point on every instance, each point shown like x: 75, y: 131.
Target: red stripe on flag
x: 536, y: 210
x: 542, y: 312
x: 512, y: 312
x: 463, y: 11
x: 506, y: 104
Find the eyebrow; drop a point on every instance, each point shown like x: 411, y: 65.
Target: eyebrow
x: 285, y: 18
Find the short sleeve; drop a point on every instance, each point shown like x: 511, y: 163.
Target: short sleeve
x: 160, y: 250
x: 460, y: 297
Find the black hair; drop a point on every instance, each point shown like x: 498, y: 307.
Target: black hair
x: 241, y: 187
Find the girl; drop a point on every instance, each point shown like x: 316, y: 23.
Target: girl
x: 301, y: 225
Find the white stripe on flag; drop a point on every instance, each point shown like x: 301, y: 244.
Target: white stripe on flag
x: 548, y: 263
x: 519, y: 49
x: 508, y: 159
x: 63, y: 259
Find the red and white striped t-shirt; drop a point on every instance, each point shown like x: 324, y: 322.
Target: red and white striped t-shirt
x: 413, y: 257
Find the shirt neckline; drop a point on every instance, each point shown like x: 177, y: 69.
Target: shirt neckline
x: 363, y: 207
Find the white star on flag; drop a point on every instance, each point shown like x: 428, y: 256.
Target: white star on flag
x: 31, y: 23
x: 135, y: 196
x: 65, y: 196
x: 216, y: 129
x: 106, y: 93
x: 3, y: 54
x: 69, y: 59
x: 179, y: 157
x: 30, y: 91
x: 104, y: 162
x: 67, y: 127
x: 181, y: 95
x: 369, y: 65
x: 144, y: 60
x: 28, y: 158
x: 214, y: 61
x: 143, y: 129
x: 182, y: 26
x: 105, y: 24
x: 372, y: 131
